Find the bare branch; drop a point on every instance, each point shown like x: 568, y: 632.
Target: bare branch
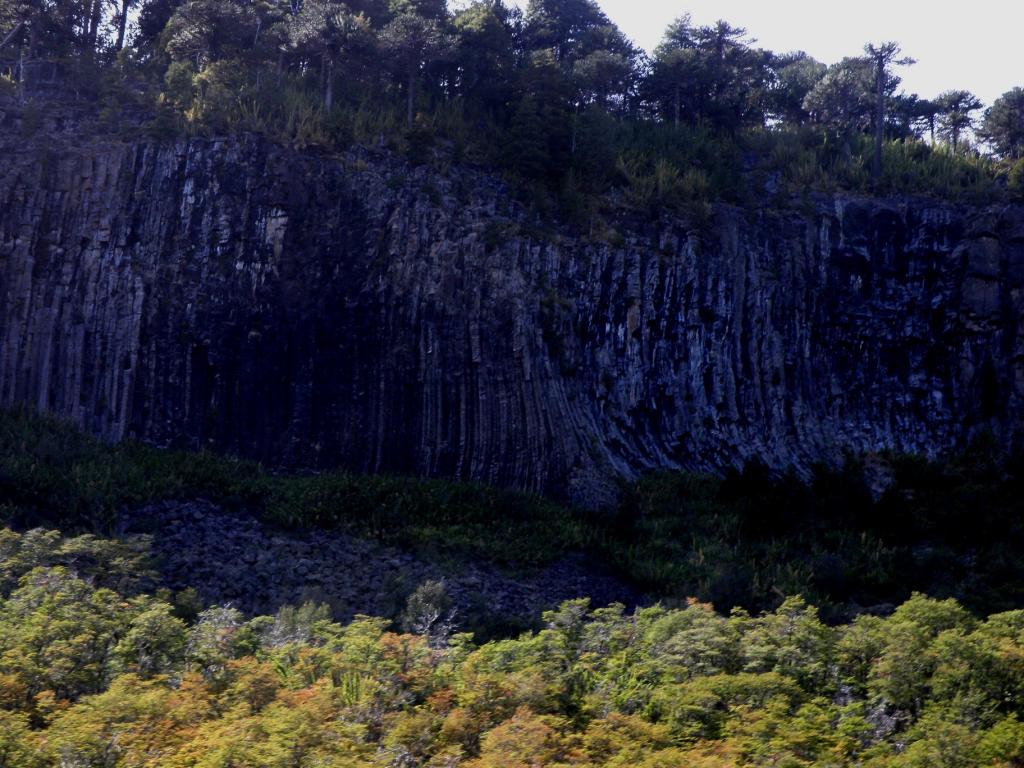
x: 14, y: 33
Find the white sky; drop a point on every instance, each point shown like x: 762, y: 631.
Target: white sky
x: 976, y: 45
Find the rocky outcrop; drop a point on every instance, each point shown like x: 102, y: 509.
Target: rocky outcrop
x: 315, y: 310
x: 233, y: 558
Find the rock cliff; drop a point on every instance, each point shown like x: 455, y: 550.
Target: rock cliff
x: 315, y: 310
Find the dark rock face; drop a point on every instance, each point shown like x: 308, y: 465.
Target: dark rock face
x: 318, y: 311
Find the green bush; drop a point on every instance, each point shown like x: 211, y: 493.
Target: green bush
x: 1015, y: 179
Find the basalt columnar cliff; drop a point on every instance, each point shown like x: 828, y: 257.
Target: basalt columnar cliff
x: 314, y: 310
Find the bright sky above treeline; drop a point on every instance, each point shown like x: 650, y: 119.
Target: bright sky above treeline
x: 974, y: 45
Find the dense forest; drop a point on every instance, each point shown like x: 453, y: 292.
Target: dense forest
x: 94, y: 673
x: 100, y: 666
x: 556, y: 96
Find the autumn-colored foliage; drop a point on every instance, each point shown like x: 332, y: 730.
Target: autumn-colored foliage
x: 93, y: 678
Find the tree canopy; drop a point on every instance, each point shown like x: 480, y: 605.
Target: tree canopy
x: 484, y: 74
x: 95, y: 678
x: 1003, y: 125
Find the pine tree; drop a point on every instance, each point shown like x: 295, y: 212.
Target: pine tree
x: 1003, y: 125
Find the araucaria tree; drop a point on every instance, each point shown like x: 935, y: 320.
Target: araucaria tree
x: 551, y: 91
x: 843, y: 99
x: 1003, y: 125
x: 412, y: 43
x: 711, y: 75
x: 327, y: 30
x: 882, y: 57
x: 956, y: 115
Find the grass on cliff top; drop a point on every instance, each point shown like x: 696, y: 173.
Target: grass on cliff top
x: 746, y: 539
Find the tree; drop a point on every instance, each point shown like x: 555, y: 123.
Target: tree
x: 674, y: 59
x: 150, y: 22
x: 58, y: 633
x: 1003, y: 124
x: 907, y: 115
x: 601, y: 74
x: 124, y: 9
x: 843, y: 98
x: 737, y: 76
x: 52, y: 28
x: 218, y: 636
x: 18, y: 748
x: 526, y: 151
x: 882, y: 57
x: 327, y: 30
x: 541, y: 129
x: 566, y: 27
x: 955, y: 114
x: 485, y: 55
x: 428, y: 9
x: 712, y: 74
x: 429, y: 612
x: 926, y: 114
x: 523, y: 741
x: 204, y: 31
x: 12, y: 35
x: 594, y: 59
x: 413, y: 43
x: 796, y: 74
x: 154, y: 643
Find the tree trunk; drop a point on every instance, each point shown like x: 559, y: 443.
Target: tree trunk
x: 876, y: 169
x: 575, y: 128
x: 679, y: 105
x: 33, y: 39
x: 14, y: 33
x: 122, y: 24
x: 95, y: 14
x: 411, y: 97
x: 329, y: 86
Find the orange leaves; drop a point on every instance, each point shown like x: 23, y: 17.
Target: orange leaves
x: 525, y: 740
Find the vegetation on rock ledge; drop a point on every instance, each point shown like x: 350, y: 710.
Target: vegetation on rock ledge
x: 747, y: 539
x: 555, y: 95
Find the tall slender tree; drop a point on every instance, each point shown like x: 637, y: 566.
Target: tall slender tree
x: 674, y: 60
x: 485, y: 56
x: 124, y: 8
x: 926, y: 114
x: 882, y: 57
x: 329, y: 31
x: 413, y: 42
x: 956, y: 116
x: 601, y: 75
x: 713, y: 74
